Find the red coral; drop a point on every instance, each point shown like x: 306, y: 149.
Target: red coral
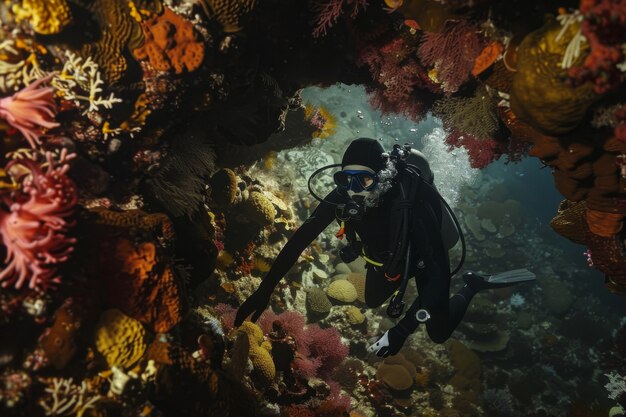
x: 31, y: 110
x: 620, y: 129
x: 34, y: 221
x: 452, y: 52
x: 604, y: 27
x: 326, y: 345
x: 397, y: 76
x: 481, y: 152
x: 328, y: 11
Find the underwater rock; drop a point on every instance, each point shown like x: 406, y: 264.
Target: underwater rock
x: 556, y: 296
x: 396, y: 377
x: 259, y: 209
x: 342, y: 290
x: 119, y: 339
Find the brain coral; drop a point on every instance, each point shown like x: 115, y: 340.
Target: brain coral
x: 317, y: 301
x: 119, y: 339
x: 228, y: 12
x: 342, y: 290
x: 358, y: 280
x: 259, y: 209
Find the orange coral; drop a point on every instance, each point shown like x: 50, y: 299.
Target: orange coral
x: 604, y: 224
x: 170, y: 42
x: 487, y: 57
x: 136, y: 267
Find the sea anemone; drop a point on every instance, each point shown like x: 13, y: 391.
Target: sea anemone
x: 31, y: 110
x: 34, y: 221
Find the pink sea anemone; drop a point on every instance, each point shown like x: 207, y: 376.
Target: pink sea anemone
x: 34, y: 221
x: 31, y: 110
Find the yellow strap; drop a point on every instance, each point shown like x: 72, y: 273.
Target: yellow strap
x: 370, y: 260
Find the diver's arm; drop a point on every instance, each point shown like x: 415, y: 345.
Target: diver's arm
x: 254, y: 306
x: 321, y: 217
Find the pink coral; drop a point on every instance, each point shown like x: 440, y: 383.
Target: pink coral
x: 452, y: 52
x: 31, y: 110
x: 34, y: 228
x: 328, y: 11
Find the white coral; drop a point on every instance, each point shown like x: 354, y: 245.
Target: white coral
x: 80, y: 81
x: 616, y: 385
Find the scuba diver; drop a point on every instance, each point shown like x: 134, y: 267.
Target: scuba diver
x: 393, y: 216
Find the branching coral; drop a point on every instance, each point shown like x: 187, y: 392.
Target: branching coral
x: 18, y: 65
x: 31, y: 110
x: 452, y: 52
x: 328, y: 11
x: 34, y: 221
x: 67, y: 399
x: 80, y: 82
x: 397, y: 75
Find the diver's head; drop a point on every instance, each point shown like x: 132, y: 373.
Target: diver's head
x: 360, y: 165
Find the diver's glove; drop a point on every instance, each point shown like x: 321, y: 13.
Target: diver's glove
x: 391, y: 342
x: 255, y: 304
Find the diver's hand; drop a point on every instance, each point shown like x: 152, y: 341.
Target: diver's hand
x: 255, y: 305
x: 390, y: 343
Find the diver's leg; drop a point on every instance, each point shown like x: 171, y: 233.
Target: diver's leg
x: 445, y: 313
x: 378, y: 288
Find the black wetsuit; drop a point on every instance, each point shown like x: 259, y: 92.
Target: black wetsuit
x: 375, y: 231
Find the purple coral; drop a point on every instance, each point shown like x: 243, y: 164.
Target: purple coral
x: 31, y: 110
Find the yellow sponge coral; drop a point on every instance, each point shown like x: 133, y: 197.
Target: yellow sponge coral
x: 47, y: 17
x: 263, y: 363
x: 120, y: 339
x: 259, y: 209
x: 254, y: 332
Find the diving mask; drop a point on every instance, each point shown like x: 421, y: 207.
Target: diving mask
x: 356, y: 180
